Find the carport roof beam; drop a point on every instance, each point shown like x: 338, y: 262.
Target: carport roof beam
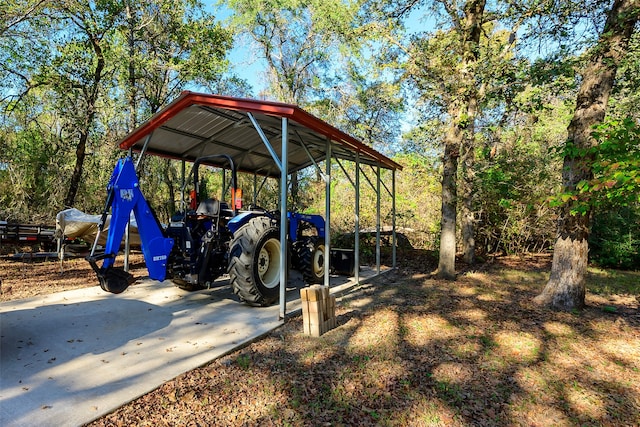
x: 266, y: 141
x: 306, y: 150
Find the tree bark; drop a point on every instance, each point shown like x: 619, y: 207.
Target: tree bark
x: 460, y: 134
x: 447, y: 260
x: 565, y: 289
x: 467, y: 217
x: 76, y: 176
x: 91, y: 95
x: 131, y: 68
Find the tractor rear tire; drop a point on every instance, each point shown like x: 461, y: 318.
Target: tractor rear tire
x: 254, y: 266
x: 311, y: 260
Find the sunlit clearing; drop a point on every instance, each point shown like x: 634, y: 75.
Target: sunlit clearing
x: 478, y: 277
x: 466, y: 348
x: 377, y: 334
x: 466, y: 291
x: 538, y: 415
x: 531, y: 381
x: 421, y: 329
x: 586, y: 402
x: 472, y: 315
x: 492, y: 297
x: 627, y: 351
x: 387, y: 293
x: 558, y: 329
x: 520, y: 346
x: 518, y: 276
x: 428, y: 412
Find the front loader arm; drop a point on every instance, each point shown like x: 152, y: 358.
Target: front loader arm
x: 124, y: 196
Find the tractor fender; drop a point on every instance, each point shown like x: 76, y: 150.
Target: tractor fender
x: 241, y: 219
x: 295, y: 218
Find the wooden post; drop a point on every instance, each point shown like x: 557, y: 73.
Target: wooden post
x: 318, y: 310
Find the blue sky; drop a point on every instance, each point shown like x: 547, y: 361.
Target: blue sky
x: 247, y: 63
x: 243, y: 58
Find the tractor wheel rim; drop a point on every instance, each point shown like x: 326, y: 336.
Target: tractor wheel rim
x: 318, y: 261
x: 269, y: 263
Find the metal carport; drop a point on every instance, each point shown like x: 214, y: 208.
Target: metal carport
x: 197, y: 124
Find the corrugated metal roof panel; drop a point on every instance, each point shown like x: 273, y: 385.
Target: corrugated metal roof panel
x: 196, y: 125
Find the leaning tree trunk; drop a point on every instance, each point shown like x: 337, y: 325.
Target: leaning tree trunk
x: 460, y: 135
x: 76, y: 176
x: 92, y: 93
x: 565, y: 289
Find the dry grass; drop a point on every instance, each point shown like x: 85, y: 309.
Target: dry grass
x: 412, y: 351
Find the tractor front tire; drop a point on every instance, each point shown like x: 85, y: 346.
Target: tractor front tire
x: 311, y: 259
x: 254, y: 266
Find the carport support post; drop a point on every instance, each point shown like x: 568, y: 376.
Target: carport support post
x: 378, y: 219
x: 327, y: 213
x: 183, y: 184
x: 357, y: 230
x: 284, y: 171
x: 255, y: 189
x: 394, y: 242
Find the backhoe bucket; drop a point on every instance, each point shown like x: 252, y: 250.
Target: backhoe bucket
x: 114, y: 280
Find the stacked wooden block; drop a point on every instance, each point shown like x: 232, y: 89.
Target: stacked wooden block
x: 318, y: 310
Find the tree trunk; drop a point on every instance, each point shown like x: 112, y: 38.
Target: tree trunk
x: 447, y: 261
x: 76, y: 176
x: 467, y: 218
x: 462, y: 113
x: 565, y: 289
x: 91, y: 93
x: 131, y: 89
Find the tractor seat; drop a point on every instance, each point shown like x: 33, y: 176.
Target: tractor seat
x: 209, y: 207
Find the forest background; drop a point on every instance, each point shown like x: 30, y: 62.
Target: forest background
x: 77, y: 76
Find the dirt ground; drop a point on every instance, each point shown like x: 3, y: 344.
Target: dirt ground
x: 35, y: 274
x: 408, y: 351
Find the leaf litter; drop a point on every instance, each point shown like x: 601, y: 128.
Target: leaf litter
x: 411, y: 351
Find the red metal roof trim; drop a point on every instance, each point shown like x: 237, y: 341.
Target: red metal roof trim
x: 293, y: 112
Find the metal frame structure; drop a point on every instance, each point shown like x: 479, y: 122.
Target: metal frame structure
x: 196, y: 125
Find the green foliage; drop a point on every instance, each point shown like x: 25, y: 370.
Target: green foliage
x: 417, y: 199
x: 512, y: 218
x: 68, y: 69
x: 614, y: 163
x: 614, y: 241
x: 296, y: 39
x: 626, y: 96
x: 165, y: 45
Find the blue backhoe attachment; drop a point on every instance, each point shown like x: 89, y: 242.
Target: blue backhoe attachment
x: 124, y: 197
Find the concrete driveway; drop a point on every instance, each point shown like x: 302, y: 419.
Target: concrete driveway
x: 71, y: 357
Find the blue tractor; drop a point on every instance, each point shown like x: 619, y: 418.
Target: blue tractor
x: 207, y: 241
